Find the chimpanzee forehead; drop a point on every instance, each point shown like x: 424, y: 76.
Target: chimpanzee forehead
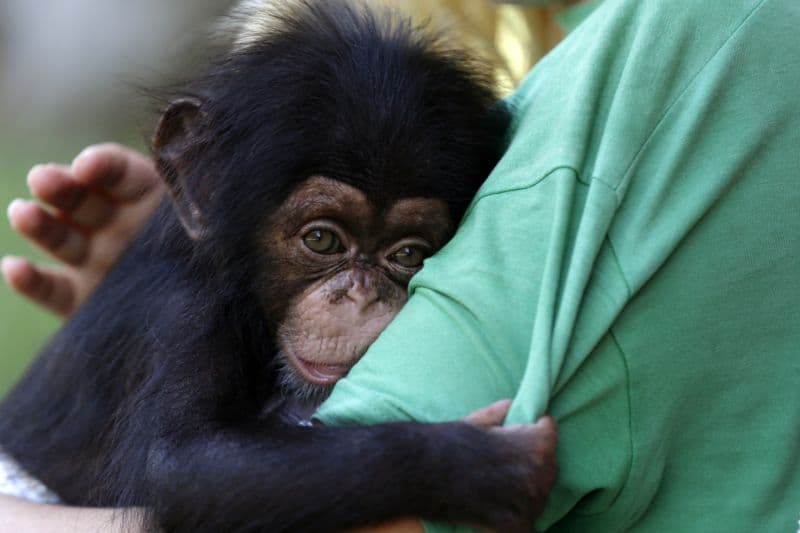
x: 321, y: 197
x: 325, y: 194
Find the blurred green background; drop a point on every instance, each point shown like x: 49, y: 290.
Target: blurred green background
x: 22, y: 326
x: 70, y: 74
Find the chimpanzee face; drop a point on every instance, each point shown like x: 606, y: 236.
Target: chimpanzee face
x: 335, y: 274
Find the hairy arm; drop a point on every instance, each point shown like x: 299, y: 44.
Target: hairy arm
x: 323, y: 479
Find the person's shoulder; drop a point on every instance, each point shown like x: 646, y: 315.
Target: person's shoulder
x: 593, y: 103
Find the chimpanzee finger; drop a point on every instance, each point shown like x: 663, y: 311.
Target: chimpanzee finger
x: 543, y: 433
x: 49, y: 288
x: 491, y: 415
x: 54, y: 236
x: 537, y: 442
x: 120, y: 172
x: 56, y: 186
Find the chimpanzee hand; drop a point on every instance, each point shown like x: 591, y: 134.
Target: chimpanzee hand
x: 539, y: 442
x: 496, y: 478
x: 532, y: 469
x: 537, y: 470
x: 91, y: 210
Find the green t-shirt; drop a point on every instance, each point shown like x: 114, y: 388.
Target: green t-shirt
x: 632, y: 266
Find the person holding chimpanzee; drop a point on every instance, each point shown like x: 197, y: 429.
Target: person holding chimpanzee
x: 629, y: 267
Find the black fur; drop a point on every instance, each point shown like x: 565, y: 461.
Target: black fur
x: 154, y: 393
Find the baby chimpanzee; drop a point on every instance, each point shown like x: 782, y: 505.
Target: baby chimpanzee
x: 311, y: 172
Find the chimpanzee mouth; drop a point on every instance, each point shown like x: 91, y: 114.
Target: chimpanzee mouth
x: 312, y: 372
x: 306, y: 382
x: 319, y: 373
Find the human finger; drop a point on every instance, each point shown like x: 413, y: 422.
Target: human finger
x: 56, y: 186
x: 54, y: 236
x: 491, y: 415
x: 52, y: 289
x: 121, y: 172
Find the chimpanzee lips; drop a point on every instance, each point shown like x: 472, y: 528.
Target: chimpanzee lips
x: 320, y: 373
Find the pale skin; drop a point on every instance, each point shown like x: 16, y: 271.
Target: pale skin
x: 86, y: 215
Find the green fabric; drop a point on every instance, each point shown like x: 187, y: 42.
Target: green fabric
x: 632, y: 266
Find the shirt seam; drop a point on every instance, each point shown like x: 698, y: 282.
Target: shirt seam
x: 625, y: 174
x: 628, y: 395
x: 618, y: 264
x: 529, y: 185
x: 624, y: 177
x: 629, y: 463
x: 628, y: 402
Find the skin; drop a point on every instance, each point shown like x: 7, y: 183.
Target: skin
x: 22, y: 515
x: 86, y: 216
x: 354, y: 264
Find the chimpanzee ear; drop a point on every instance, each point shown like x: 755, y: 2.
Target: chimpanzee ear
x: 176, y: 133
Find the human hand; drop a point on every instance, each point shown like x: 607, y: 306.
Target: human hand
x: 490, y: 416
x: 89, y: 212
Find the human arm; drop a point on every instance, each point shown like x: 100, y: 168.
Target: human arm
x: 21, y: 515
x: 88, y: 214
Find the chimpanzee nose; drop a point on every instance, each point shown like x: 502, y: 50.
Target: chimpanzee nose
x: 363, y: 291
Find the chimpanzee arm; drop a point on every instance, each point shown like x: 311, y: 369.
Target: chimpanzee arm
x: 287, y: 478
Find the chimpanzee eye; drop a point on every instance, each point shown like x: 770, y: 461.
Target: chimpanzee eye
x: 408, y: 257
x: 322, y: 241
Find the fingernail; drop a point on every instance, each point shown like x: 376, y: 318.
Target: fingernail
x: 505, y: 403
x: 85, y: 153
x: 7, y: 262
x: 31, y: 172
x: 15, y: 205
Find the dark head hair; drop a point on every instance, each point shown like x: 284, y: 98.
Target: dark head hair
x: 331, y: 88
